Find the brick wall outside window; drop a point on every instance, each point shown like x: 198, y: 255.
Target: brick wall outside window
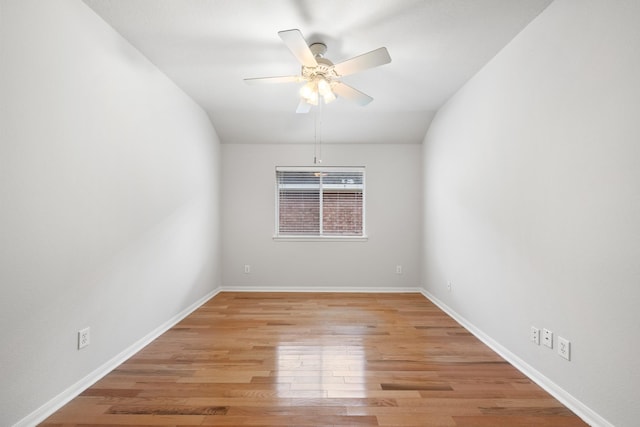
x: 342, y: 213
x: 299, y: 212
x: 320, y: 202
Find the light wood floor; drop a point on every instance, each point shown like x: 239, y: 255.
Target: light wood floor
x: 316, y: 359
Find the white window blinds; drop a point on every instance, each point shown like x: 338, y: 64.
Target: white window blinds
x: 320, y: 202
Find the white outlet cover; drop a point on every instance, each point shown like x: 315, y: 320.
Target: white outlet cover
x: 547, y: 338
x: 83, y: 338
x: 535, y: 335
x: 564, y: 348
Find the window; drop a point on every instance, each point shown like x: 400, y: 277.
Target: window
x: 320, y: 202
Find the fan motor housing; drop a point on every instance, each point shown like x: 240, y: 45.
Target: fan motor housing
x: 324, y: 68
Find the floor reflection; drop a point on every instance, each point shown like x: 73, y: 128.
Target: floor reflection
x: 320, y: 370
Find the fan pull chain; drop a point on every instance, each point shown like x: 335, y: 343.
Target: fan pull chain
x: 317, y: 149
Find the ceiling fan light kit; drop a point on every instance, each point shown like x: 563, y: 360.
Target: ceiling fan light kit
x: 315, y: 88
x: 321, y: 76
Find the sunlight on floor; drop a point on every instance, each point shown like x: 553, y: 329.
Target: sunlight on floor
x: 321, y: 371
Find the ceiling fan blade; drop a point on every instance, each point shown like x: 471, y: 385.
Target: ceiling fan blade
x: 303, y: 107
x: 279, y: 79
x: 351, y: 94
x: 298, y: 46
x: 371, y: 59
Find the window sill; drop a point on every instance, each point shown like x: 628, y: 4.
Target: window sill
x: 320, y: 238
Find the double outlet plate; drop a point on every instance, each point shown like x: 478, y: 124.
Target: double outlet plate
x: 564, y: 345
x: 83, y: 338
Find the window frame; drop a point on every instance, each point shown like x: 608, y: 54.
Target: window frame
x: 319, y: 237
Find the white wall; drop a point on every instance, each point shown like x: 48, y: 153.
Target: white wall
x: 393, y: 220
x: 108, y: 199
x: 532, y: 206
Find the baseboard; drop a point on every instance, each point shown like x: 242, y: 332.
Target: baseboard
x: 67, y: 395
x: 334, y: 289
x: 579, y: 408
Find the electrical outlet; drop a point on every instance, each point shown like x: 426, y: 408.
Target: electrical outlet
x: 547, y: 338
x: 564, y: 348
x: 247, y: 269
x: 449, y: 285
x: 398, y: 269
x: 83, y: 338
x: 535, y: 335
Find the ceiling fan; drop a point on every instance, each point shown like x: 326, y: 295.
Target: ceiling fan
x: 322, y: 76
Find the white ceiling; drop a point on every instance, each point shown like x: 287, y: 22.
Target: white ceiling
x: 209, y: 46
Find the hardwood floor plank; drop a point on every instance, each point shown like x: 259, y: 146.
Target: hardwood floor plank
x: 288, y: 420
x: 315, y: 359
x: 510, y: 421
x: 168, y: 410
